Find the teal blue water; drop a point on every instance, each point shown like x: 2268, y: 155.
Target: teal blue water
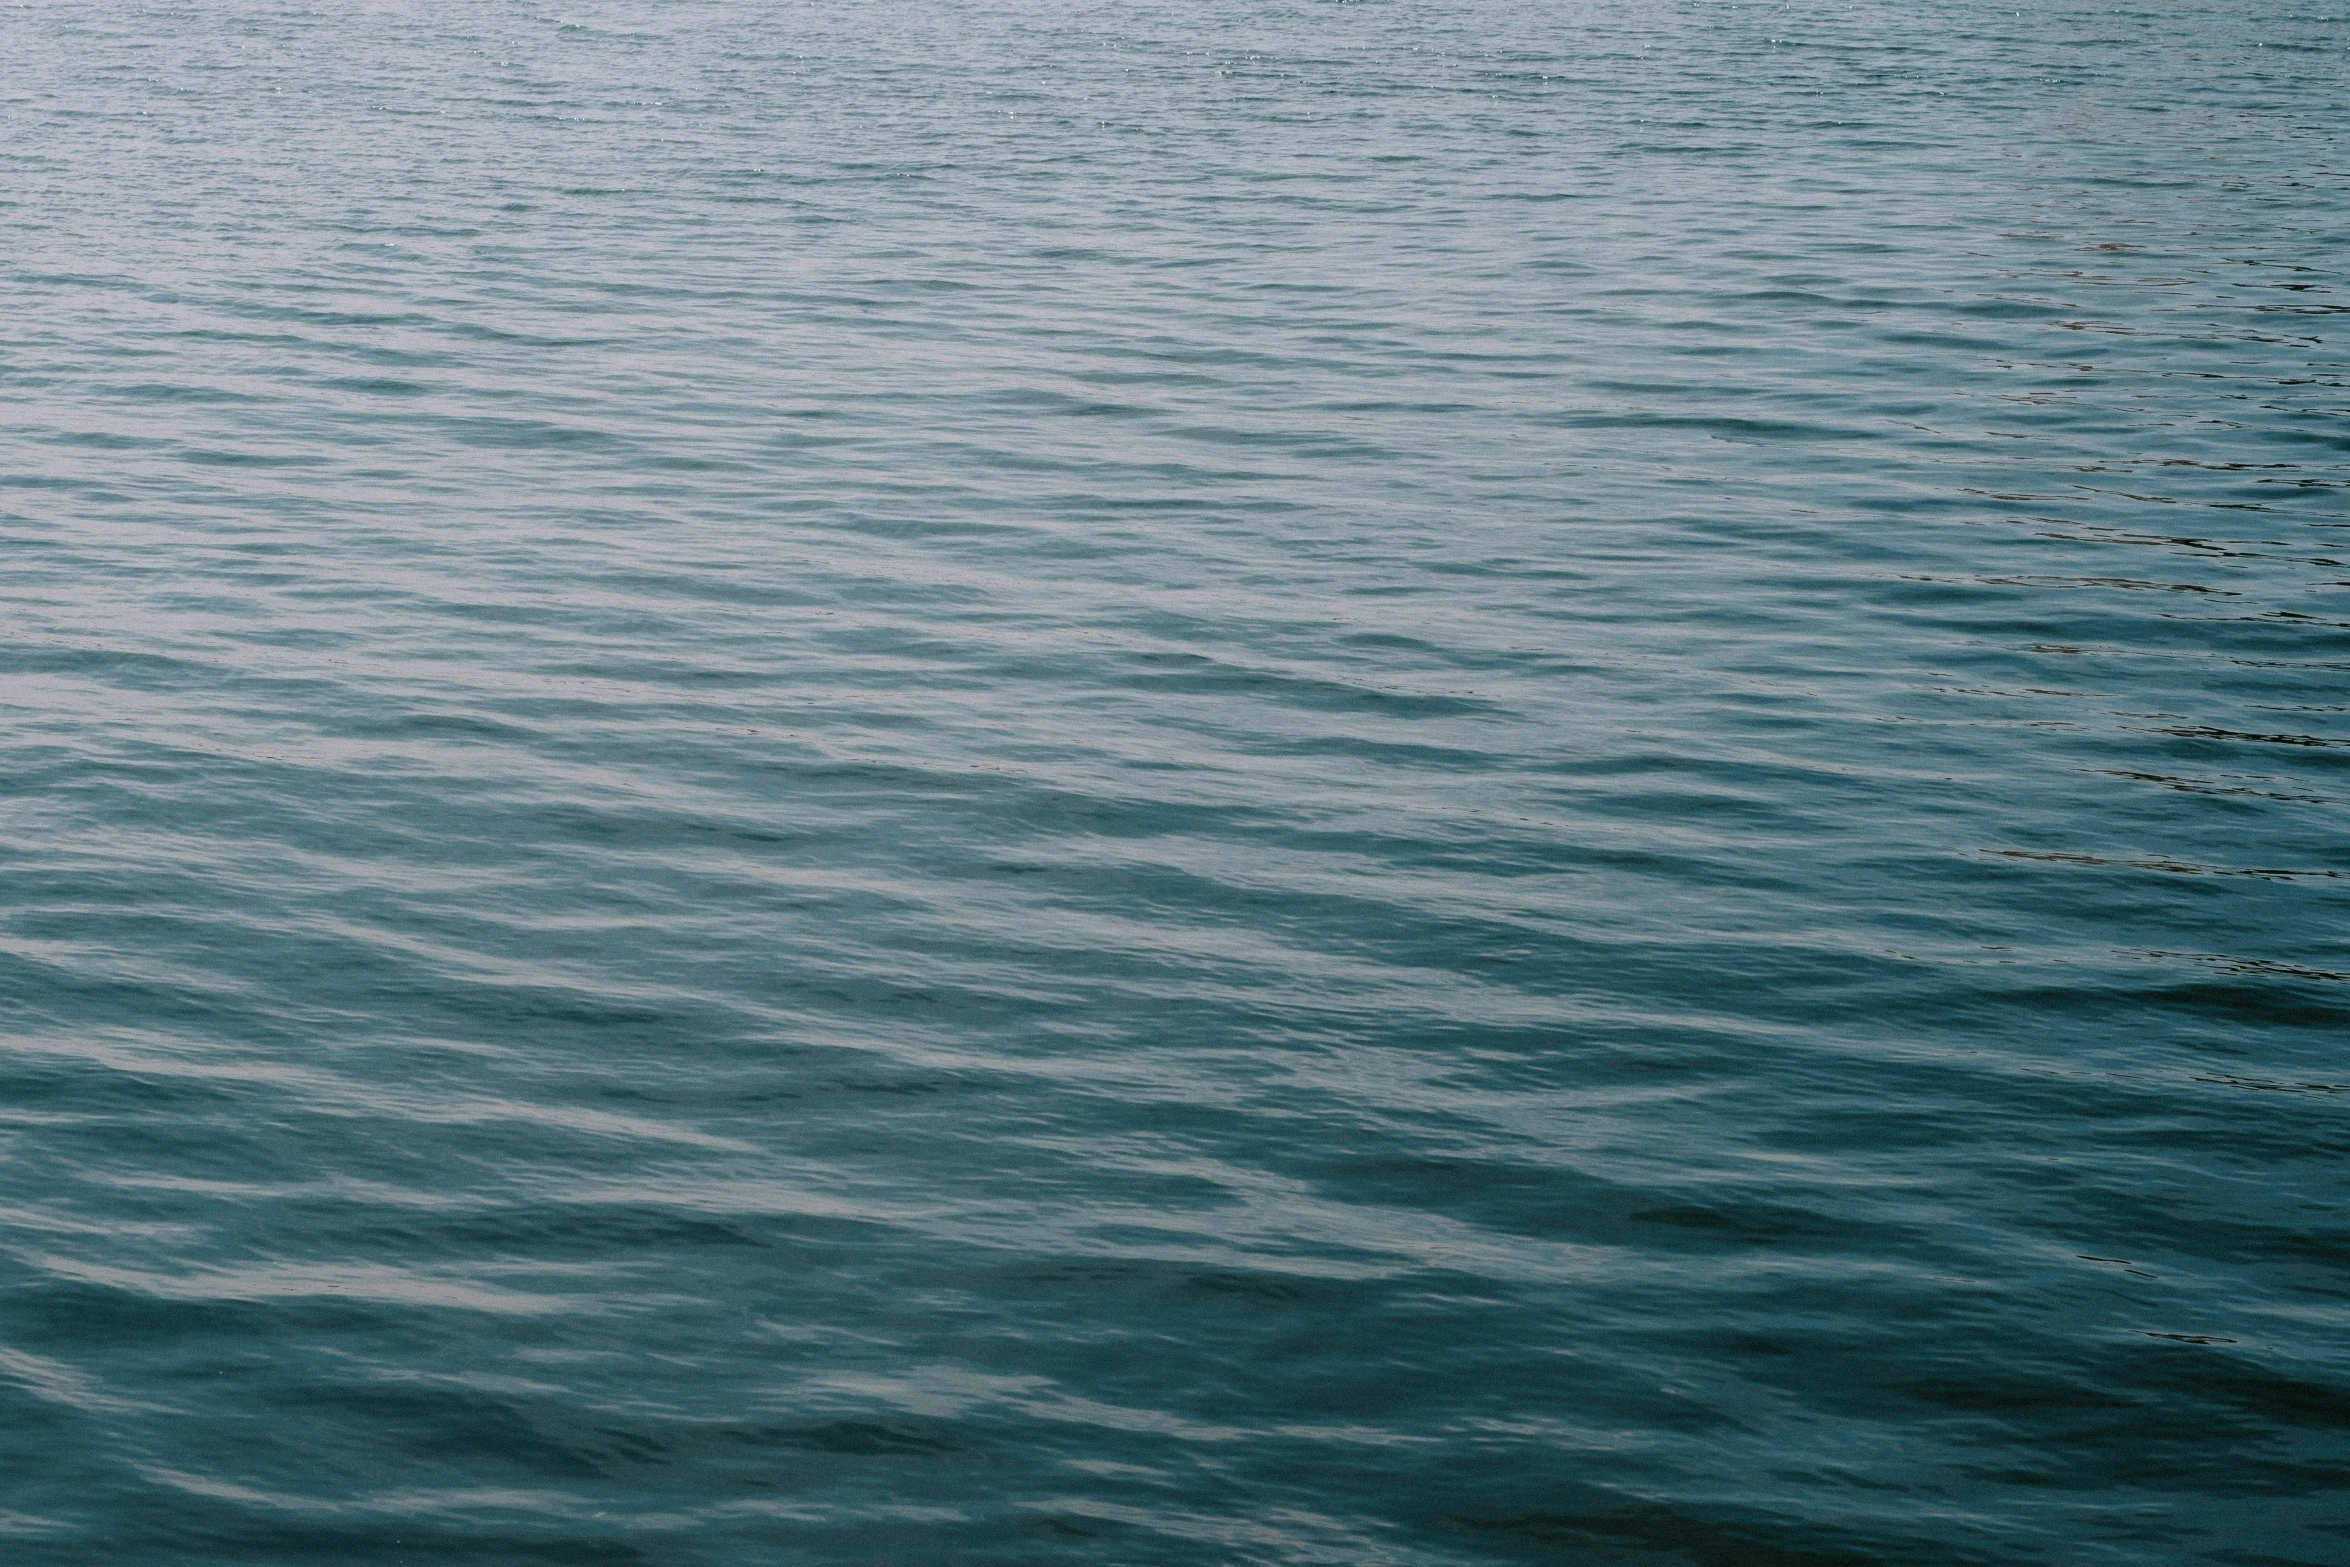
x: 1276, y: 783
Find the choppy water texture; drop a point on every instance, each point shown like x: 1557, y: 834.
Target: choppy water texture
x: 1261, y: 783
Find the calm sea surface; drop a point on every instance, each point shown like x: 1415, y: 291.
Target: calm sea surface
x: 1273, y: 783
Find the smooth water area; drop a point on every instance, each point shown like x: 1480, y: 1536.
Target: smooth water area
x: 1226, y: 782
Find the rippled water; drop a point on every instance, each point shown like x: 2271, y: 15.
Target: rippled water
x: 1262, y: 783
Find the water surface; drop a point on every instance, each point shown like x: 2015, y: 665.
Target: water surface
x: 1172, y: 783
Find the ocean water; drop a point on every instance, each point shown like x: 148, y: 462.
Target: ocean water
x: 938, y: 783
